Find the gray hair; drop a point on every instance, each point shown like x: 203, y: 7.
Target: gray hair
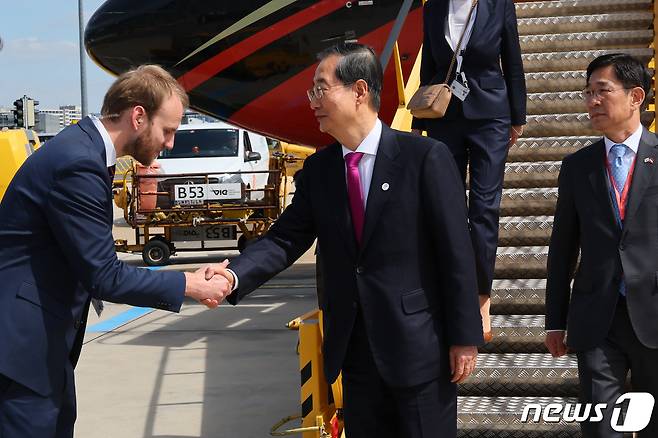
x: 358, y: 61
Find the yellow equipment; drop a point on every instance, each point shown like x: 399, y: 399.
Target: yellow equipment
x: 160, y: 220
x: 15, y: 146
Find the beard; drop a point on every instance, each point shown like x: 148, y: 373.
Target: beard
x: 143, y: 150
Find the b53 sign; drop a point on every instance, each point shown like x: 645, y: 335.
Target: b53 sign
x: 208, y: 192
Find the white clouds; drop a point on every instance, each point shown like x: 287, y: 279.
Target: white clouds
x: 32, y: 48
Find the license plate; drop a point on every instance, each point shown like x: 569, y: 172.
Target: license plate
x: 212, y: 232
x: 184, y: 193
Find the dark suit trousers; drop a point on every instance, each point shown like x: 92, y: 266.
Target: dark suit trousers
x: 372, y: 408
x: 480, y: 145
x: 603, y: 370
x: 26, y: 414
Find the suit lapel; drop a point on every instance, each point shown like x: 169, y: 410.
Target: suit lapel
x: 97, y: 140
x: 382, y: 183
x: 597, y: 177
x: 643, y: 172
x: 338, y: 201
x: 483, y: 10
x: 438, y: 18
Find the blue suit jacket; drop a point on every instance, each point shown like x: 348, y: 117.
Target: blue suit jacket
x: 413, y: 275
x: 56, y: 252
x: 494, y: 43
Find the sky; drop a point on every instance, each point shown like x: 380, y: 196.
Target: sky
x: 40, y: 56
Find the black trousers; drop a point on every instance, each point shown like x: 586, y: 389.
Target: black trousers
x: 26, y: 414
x: 480, y: 146
x: 375, y: 409
x: 603, y: 370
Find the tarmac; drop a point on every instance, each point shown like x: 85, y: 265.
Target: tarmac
x: 225, y: 372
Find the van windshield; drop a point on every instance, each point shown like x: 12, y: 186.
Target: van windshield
x: 204, y: 143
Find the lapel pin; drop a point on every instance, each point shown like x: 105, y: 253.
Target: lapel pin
x: 385, y: 186
x: 648, y: 160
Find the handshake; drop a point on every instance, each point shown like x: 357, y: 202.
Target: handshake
x: 210, y: 284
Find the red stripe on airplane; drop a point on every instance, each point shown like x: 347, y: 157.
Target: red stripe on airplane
x: 283, y: 112
x: 241, y: 50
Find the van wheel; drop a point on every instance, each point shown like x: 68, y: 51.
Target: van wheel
x: 156, y: 252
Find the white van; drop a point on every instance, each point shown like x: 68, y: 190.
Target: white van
x: 219, y: 148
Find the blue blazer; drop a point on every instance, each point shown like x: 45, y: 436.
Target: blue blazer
x: 56, y: 252
x: 413, y: 276
x: 494, y: 43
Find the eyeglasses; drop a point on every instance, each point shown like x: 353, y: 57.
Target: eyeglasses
x: 317, y: 93
x: 599, y: 93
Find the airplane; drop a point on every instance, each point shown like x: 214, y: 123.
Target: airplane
x: 250, y: 62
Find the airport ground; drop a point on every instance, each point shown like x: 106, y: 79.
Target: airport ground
x: 230, y: 372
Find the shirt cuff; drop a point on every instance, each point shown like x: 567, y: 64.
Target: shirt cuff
x: 235, y: 279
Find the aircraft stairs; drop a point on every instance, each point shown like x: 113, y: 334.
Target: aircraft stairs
x: 558, y: 40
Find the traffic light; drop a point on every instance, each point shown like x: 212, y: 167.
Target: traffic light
x: 29, y: 106
x: 25, y: 112
x: 19, y: 113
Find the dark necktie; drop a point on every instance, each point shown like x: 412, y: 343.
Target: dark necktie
x: 111, y: 170
x: 95, y: 302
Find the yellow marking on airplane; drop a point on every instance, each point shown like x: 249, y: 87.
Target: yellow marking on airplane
x: 258, y: 14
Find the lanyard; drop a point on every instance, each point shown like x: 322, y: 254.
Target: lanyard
x: 621, y: 200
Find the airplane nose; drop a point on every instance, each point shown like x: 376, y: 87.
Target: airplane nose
x: 244, y: 62
x: 121, y: 35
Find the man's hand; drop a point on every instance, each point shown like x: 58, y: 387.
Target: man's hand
x: 219, y: 269
x: 555, y: 343
x: 462, y: 361
x: 206, y: 287
x: 514, y: 134
x: 485, y: 304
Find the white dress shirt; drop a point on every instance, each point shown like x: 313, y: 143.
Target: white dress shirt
x: 368, y: 147
x: 632, y: 142
x: 456, y: 20
x: 110, y: 151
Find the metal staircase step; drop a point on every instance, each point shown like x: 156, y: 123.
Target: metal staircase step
x: 524, y: 231
x: 542, y: 82
x: 528, y: 202
x: 516, y: 334
x: 522, y: 374
x: 556, y: 102
x: 555, y: 81
x: 585, y: 23
x: 576, y: 60
x: 521, y: 262
x: 578, y: 7
x: 500, y: 417
x: 520, y: 297
x: 547, y: 148
x: 531, y: 175
x: 558, y: 124
x: 567, y: 124
x: 613, y: 39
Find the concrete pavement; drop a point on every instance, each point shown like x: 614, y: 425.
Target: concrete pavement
x: 226, y: 372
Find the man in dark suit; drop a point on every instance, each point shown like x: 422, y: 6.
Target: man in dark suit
x: 479, y: 127
x: 607, y: 211
x: 57, y: 251
x: 400, y: 305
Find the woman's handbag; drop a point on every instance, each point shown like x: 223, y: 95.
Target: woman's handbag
x: 431, y: 101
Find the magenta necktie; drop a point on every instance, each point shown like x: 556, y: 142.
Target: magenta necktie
x: 355, y: 193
